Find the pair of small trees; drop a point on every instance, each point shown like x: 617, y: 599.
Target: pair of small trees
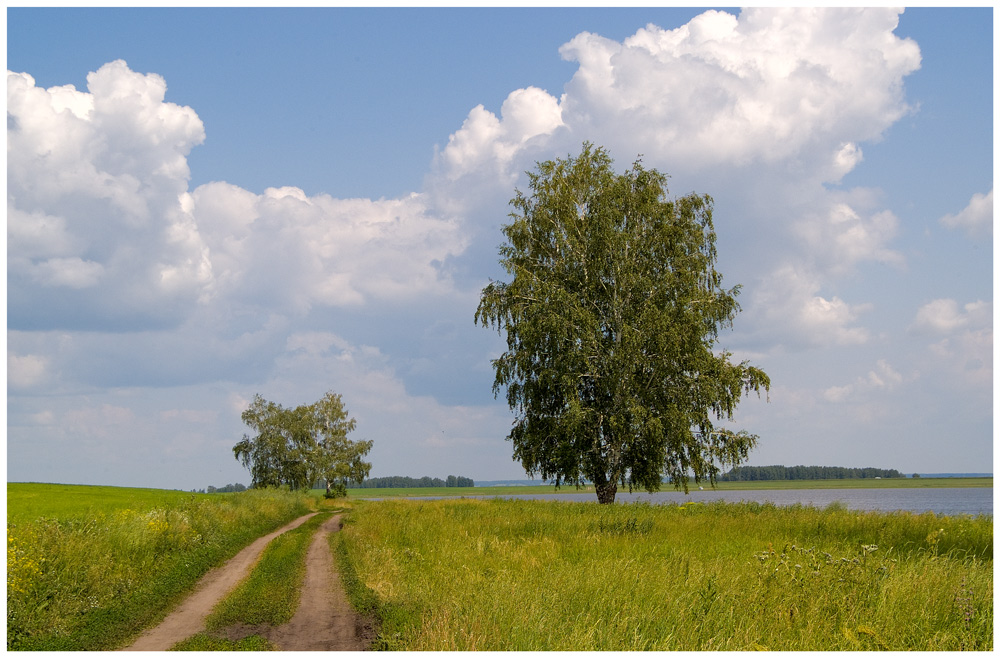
x: 298, y: 446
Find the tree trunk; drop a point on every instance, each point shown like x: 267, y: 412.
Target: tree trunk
x: 327, y: 487
x: 606, y: 492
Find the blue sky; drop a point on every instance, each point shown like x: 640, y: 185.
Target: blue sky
x: 238, y: 201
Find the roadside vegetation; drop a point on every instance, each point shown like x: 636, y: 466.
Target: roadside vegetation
x: 87, y: 576
x: 531, y: 575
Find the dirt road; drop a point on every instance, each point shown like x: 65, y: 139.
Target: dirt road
x: 323, y: 621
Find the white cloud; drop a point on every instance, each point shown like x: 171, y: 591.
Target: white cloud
x: 26, y: 371
x: 786, y: 310
x: 486, y: 144
x: 976, y: 218
x: 882, y: 378
x: 764, y: 87
x: 848, y: 232
x: 283, y: 249
x: 943, y: 316
x: 93, y: 194
x: 98, y: 205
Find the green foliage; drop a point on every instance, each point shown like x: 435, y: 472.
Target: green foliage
x: 611, y: 317
x: 229, y: 488
x: 270, y: 593
x: 511, y: 575
x: 92, y: 581
x: 296, y: 447
x: 337, y: 490
x: 206, y: 642
x: 404, y: 482
x: 772, y: 473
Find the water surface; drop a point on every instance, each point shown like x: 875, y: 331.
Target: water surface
x: 944, y: 501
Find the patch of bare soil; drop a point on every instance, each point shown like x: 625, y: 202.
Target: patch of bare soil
x: 189, y: 617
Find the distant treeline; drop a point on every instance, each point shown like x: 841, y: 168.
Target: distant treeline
x: 752, y: 473
x: 403, y: 482
x: 229, y: 488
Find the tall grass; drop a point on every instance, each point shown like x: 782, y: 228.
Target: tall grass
x: 530, y: 575
x: 92, y: 582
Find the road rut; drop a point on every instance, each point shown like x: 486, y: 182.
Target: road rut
x: 189, y: 617
x: 324, y: 620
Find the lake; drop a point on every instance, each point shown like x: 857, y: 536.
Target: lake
x: 945, y: 501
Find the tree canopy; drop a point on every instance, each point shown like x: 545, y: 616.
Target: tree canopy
x: 299, y: 446
x: 612, y: 317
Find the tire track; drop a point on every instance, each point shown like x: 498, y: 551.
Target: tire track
x: 189, y: 617
x: 324, y: 620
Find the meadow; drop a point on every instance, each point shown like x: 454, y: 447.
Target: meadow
x: 90, y: 567
x: 540, y: 575
x: 27, y: 501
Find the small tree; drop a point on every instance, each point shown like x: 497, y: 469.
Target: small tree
x: 296, y: 447
x: 337, y: 459
x: 611, y: 319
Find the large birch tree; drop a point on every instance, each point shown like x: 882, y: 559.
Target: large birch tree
x: 612, y: 316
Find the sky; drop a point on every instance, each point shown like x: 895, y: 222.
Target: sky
x: 208, y: 204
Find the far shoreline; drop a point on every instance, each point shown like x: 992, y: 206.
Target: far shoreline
x: 758, y: 485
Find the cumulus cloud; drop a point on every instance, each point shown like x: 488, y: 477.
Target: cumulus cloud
x: 283, y: 249
x: 762, y: 110
x: 963, y: 347
x: 787, y: 87
x: 94, y: 178
x: 943, y: 316
x: 976, y: 218
x: 786, y: 309
x: 25, y: 371
x: 104, y: 232
x: 882, y: 378
x: 847, y: 228
x: 485, y: 140
x: 766, y: 86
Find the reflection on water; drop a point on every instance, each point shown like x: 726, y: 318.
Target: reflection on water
x: 949, y: 502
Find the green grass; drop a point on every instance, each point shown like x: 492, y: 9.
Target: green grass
x: 506, y: 575
x: 270, y: 594
x: 27, y: 501
x: 900, y: 483
x: 205, y: 642
x: 90, y: 576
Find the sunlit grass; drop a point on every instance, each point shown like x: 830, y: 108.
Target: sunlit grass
x: 92, y: 580
x: 205, y: 642
x: 528, y: 575
x: 27, y: 501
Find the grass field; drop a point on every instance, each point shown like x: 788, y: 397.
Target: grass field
x: 28, y: 501
x: 896, y: 483
x: 90, y: 567
x: 538, y: 575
